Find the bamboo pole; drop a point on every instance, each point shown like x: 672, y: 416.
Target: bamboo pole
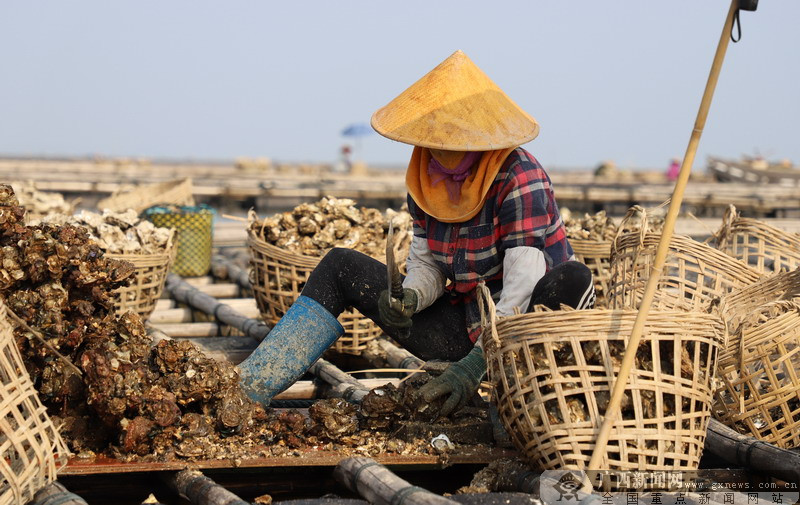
x: 56, y: 494
x: 621, y: 381
x: 755, y: 455
x: 221, y: 265
x: 200, y: 490
x: 398, y: 357
x: 379, y: 486
x: 342, y: 384
x: 184, y: 293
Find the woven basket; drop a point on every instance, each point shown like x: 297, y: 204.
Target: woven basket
x: 764, y: 247
x: 31, y: 450
x: 553, y: 371
x: 695, y: 275
x: 595, y: 254
x: 195, y: 228
x: 760, y: 372
x: 278, y: 278
x: 739, y: 304
x: 148, y: 281
x: 178, y: 192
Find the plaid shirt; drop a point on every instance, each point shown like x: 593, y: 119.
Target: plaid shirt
x: 520, y: 211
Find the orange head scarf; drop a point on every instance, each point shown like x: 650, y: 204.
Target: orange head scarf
x: 432, y: 197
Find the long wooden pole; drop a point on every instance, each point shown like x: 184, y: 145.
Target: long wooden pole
x: 663, y: 246
x: 379, y: 486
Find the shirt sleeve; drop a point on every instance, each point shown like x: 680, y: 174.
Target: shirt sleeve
x: 528, y: 214
x: 522, y: 269
x: 423, y: 276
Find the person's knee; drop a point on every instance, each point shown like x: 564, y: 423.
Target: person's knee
x: 339, y: 257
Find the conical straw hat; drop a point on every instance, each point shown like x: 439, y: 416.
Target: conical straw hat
x: 455, y: 107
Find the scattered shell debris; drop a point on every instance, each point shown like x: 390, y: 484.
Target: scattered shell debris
x: 312, y: 229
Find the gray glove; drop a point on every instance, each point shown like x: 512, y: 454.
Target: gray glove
x: 460, y: 380
x: 391, y: 315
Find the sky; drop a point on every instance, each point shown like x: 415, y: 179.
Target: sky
x: 607, y: 80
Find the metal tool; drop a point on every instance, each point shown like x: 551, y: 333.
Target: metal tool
x: 395, y: 281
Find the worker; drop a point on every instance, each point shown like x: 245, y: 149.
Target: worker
x: 483, y: 210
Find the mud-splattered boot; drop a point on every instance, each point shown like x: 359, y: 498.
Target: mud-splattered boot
x: 293, y: 345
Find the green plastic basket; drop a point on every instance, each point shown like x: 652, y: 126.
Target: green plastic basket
x: 195, y: 229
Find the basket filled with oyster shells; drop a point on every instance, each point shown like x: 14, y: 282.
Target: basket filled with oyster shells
x: 552, y: 373
x: 759, y: 383
x: 590, y: 237
x: 124, y: 236
x: 285, y: 248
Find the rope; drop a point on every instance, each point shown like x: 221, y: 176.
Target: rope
x: 400, y: 497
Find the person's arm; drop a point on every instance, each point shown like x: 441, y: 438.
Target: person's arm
x: 522, y: 268
x: 423, y: 276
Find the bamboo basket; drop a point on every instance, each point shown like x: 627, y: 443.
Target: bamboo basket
x: 278, y: 277
x: 757, y: 346
x: 695, y: 275
x: 553, y: 371
x: 595, y: 254
x: 760, y: 375
x: 766, y: 248
x: 31, y: 450
x: 148, y: 281
x: 178, y: 192
x: 195, y: 236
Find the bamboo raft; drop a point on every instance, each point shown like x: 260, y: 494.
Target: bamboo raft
x: 283, y: 186
x: 190, y: 307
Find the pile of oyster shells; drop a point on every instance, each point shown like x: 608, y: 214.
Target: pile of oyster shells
x: 40, y: 203
x: 104, y: 384
x: 118, y: 232
x: 602, y: 228
x: 312, y: 229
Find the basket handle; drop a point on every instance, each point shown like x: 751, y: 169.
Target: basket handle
x: 487, y: 308
x: 629, y: 220
x: 720, y: 238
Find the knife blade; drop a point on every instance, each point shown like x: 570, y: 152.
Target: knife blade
x: 394, y: 280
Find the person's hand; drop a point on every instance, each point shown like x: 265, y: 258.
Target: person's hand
x: 397, y: 315
x: 460, y: 381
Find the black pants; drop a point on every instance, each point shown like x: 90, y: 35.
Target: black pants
x: 346, y: 278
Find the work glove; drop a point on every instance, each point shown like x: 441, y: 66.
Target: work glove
x: 391, y: 315
x: 460, y: 380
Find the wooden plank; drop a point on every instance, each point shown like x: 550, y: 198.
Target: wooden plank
x: 189, y: 329
x: 186, y: 315
x: 307, y: 457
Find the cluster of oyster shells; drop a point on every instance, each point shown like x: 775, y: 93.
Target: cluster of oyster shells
x: 118, y: 232
x: 312, y: 229
x: 40, y: 203
x: 589, y: 226
x: 602, y: 228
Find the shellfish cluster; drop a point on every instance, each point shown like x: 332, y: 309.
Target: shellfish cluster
x: 602, y: 228
x: 118, y: 232
x: 312, y: 229
x: 40, y: 203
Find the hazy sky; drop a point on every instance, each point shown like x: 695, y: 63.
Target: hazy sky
x: 619, y: 79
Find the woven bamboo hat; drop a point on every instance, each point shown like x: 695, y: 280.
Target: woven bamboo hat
x: 455, y: 107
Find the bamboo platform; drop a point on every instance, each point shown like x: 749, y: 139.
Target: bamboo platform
x: 278, y: 187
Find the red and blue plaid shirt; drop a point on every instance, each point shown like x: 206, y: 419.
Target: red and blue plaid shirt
x: 520, y: 211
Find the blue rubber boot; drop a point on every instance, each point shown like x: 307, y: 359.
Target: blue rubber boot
x: 291, y: 347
